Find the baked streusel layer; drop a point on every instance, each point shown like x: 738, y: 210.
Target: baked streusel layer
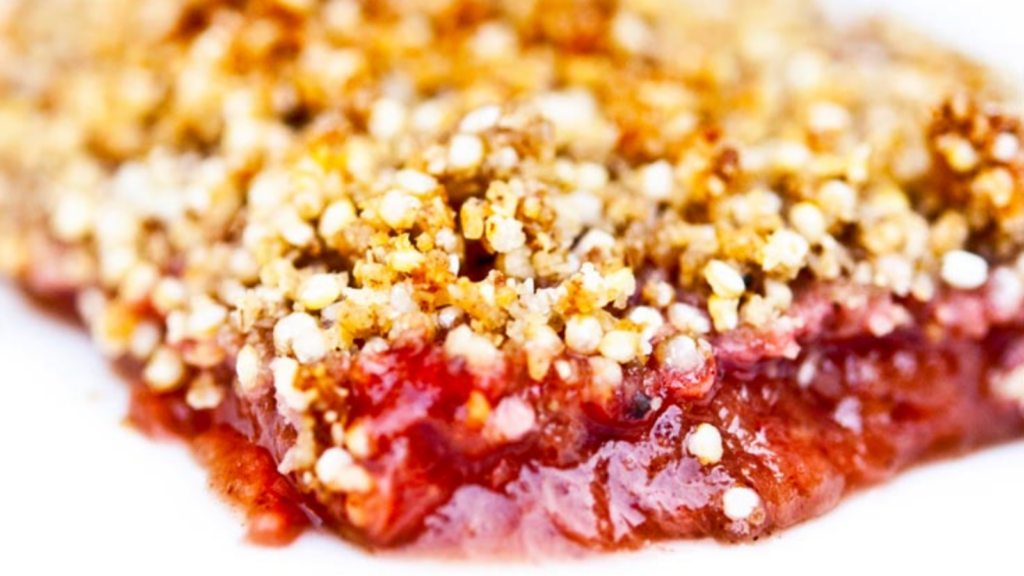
x: 514, y: 276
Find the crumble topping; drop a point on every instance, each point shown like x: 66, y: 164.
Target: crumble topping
x: 286, y: 187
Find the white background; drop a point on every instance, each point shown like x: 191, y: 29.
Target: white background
x: 80, y: 492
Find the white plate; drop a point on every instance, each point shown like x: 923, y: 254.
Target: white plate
x: 81, y: 492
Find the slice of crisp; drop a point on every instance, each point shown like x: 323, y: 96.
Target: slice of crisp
x: 523, y: 277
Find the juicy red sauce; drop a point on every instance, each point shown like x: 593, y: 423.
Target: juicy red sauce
x: 612, y: 474
x: 241, y: 471
x: 247, y: 475
x: 599, y: 477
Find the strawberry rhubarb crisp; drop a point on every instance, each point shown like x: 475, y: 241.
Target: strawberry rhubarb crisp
x: 518, y: 277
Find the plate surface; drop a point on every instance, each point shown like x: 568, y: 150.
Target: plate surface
x: 81, y: 491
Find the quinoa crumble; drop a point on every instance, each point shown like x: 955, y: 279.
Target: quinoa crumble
x: 269, y: 206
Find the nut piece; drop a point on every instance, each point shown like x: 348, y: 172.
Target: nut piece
x: 300, y: 334
x: 247, y: 368
x: 504, y: 234
x: 286, y: 373
x: 417, y: 182
x: 336, y: 218
x: 686, y: 318
x: 724, y: 312
x: 680, y: 353
x: 510, y: 420
x: 205, y: 318
x: 964, y: 270
x: 725, y: 280
x: 583, y: 334
x: 705, y: 444
x: 398, y: 209
x: 605, y: 375
x: 337, y: 470
x: 479, y: 353
x: 465, y: 152
x: 786, y: 251
x: 543, y: 345
x: 808, y: 221
x: 739, y: 503
x: 164, y: 371
x: 1005, y: 147
x: 387, y: 118
x: 657, y: 180
x: 480, y: 120
x: 959, y: 153
x: 204, y: 393
x: 319, y: 291
x: 619, y: 345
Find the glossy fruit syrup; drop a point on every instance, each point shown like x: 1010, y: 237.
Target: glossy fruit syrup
x: 611, y: 472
